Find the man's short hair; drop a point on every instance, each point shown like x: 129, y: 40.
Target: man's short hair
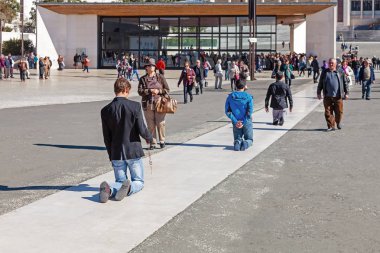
x: 121, y: 85
x: 279, y: 75
x: 239, y: 84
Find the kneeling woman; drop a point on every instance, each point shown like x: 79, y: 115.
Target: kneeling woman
x: 151, y: 87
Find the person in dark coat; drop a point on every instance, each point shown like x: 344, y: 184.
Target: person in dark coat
x: 315, y: 67
x: 199, y: 77
x: 279, y: 93
x: 123, y: 124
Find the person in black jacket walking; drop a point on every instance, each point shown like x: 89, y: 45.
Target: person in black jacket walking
x: 199, y: 77
x: 123, y: 124
x: 281, y: 94
x: 315, y: 67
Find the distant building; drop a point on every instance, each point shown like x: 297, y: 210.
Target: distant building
x: 179, y: 31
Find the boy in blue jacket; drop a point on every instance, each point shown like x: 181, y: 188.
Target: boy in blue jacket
x: 239, y: 108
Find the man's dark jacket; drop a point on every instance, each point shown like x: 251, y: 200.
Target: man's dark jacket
x: 344, y: 90
x: 199, y: 73
x: 315, y: 65
x: 123, y: 123
x: 280, y: 93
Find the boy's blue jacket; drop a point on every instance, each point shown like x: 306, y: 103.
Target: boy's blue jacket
x: 239, y: 106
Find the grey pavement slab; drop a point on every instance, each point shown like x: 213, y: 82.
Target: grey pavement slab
x: 73, y: 220
x: 311, y: 191
x: 44, y: 149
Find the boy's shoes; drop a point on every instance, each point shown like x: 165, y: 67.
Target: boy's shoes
x: 244, y: 146
x: 281, y: 121
x: 104, y: 192
x: 123, y: 191
x: 330, y: 129
x: 275, y: 122
x: 339, y: 126
x: 237, y: 145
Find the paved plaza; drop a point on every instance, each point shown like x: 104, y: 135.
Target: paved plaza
x: 298, y: 189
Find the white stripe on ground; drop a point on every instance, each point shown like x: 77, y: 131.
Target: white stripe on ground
x: 73, y: 221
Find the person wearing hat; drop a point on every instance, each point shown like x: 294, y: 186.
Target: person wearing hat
x: 366, y: 78
x: 151, y: 86
x: 279, y: 93
x: 239, y: 108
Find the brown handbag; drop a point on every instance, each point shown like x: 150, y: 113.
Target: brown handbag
x: 166, y: 104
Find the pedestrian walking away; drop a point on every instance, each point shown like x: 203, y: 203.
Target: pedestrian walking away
x: 366, y: 78
x: 86, y: 64
x: 188, y: 79
x: 315, y: 68
x: 279, y: 94
x: 335, y: 88
x: 151, y: 87
x: 218, y: 73
x: 123, y: 124
x: 22, y: 67
x: 41, y: 66
x: 287, y: 68
x: 239, y: 108
x: 234, y: 73
x: 199, y: 77
x: 161, y: 66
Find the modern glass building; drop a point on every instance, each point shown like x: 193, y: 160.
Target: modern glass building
x: 182, y: 30
x: 177, y: 39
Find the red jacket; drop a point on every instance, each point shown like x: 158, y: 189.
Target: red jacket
x: 161, y: 65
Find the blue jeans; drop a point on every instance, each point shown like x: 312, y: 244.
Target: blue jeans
x: 366, y: 88
x: 136, y: 169
x: 244, y: 133
x: 135, y: 72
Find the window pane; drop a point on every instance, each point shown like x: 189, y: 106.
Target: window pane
x: 111, y: 25
x: 130, y: 41
x: 169, y: 25
x: 169, y: 42
x: 228, y: 25
x: 149, y: 24
x: 129, y: 25
x: 112, y: 40
x: 148, y: 42
x: 355, y: 6
x: 208, y: 42
x: 209, y: 25
x: 189, y: 24
x: 243, y: 24
x: 109, y: 58
x: 377, y: 5
x: 189, y: 42
x: 367, y: 5
x: 266, y: 24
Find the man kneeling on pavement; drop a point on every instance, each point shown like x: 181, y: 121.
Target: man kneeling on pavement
x: 123, y: 123
x: 280, y: 93
x: 239, y: 108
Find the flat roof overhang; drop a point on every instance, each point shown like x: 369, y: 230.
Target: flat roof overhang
x: 186, y: 9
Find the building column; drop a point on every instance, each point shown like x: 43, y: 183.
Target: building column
x: 373, y: 8
x: 347, y: 13
x: 361, y: 9
x: 298, y: 37
x: 321, y: 38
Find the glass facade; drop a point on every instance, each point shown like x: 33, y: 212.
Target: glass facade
x: 355, y: 5
x: 377, y: 5
x: 367, y: 5
x: 178, y: 39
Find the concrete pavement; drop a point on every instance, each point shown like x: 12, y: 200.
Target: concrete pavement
x: 49, y: 148
x: 295, y: 196
x: 73, y: 220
